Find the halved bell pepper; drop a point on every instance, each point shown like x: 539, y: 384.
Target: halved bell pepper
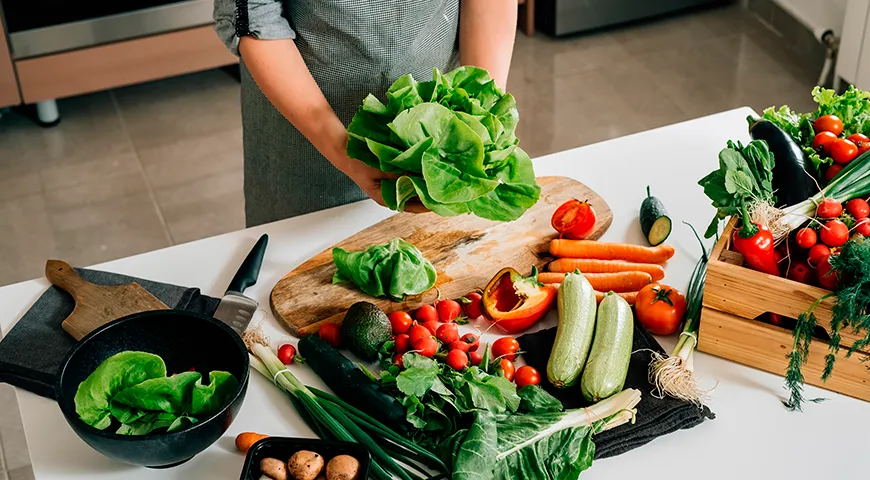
x: 514, y: 302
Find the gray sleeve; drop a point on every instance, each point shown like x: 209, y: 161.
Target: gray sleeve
x: 263, y: 19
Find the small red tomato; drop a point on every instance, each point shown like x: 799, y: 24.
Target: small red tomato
x: 286, y: 353
x: 426, y: 313
x: 426, y: 346
x: 471, y: 305
x: 843, y: 151
x: 832, y: 172
x: 476, y: 358
x: 829, y: 208
x: 863, y: 148
x: 527, y: 375
x: 418, y: 332
x: 397, y: 360
x: 507, y: 369
x: 828, y: 123
x: 834, y: 233
x: 505, y: 347
x: 863, y: 227
x: 400, y: 322
x: 775, y: 319
x: 448, y: 310
x: 331, y: 334
x: 458, y: 345
x: 447, y: 333
x: 457, y: 360
x: 858, y: 208
x: 827, y: 276
x: 402, y: 343
x: 472, y: 340
x: 574, y: 219
x: 806, y: 238
x: 823, y: 141
x: 818, y: 254
x: 859, y: 139
x: 432, y: 326
x: 801, y: 272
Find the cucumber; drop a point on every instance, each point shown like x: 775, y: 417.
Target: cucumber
x: 654, y: 220
x: 576, y: 304
x: 607, y: 367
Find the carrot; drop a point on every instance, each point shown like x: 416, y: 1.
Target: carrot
x: 617, y: 281
x: 591, y: 265
x: 245, y: 440
x: 629, y: 297
x: 610, y: 251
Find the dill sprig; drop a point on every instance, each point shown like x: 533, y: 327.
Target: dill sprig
x: 797, y: 358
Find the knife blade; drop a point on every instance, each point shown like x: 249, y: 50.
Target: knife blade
x: 236, y: 309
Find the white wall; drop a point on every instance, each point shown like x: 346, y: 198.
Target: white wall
x: 819, y: 15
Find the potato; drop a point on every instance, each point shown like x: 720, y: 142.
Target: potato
x: 342, y: 467
x: 305, y: 465
x: 273, y: 468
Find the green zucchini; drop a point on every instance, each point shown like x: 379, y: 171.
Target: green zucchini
x: 607, y: 367
x: 654, y: 220
x: 349, y: 383
x: 576, y: 304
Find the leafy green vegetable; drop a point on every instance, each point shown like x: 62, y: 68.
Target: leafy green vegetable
x: 533, y: 398
x: 452, y: 141
x: 393, y: 269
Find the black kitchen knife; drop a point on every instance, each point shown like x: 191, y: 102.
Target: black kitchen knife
x: 235, y: 309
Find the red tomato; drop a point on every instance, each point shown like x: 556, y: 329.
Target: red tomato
x: 458, y: 345
x: 828, y: 123
x: 832, y: 172
x: 471, y: 305
x: 858, y: 208
x: 286, y: 353
x: 775, y: 319
x: 828, y: 277
x: 823, y: 141
x: 402, y: 343
x: 505, y: 347
x: 843, y: 151
x: 331, y: 334
x: 806, y: 238
x: 834, y: 233
x: 472, y: 340
x: 418, y: 332
x: 818, y: 254
x: 447, y: 332
x: 862, y: 149
x: 507, y: 369
x: 801, y: 272
x: 426, y: 346
x: 660, y: 308
x: 397, y: 360
x: 863, y: 227
x: 476, y: 358
x: 432, y: 326
x: 400, y: 322
x: 426, y: 313
x: 829, y: 208
x: 574, y: 219
x: 527, y: 375
x: 859, y: 139
x: 448, y: 310
x: 457, y: 360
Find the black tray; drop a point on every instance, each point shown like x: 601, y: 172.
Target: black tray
x: 283, y: 447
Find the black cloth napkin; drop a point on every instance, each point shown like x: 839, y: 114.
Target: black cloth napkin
x: 32, y: 353
x: 655, y: 416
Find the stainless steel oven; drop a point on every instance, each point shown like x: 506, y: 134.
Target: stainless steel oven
x: 40, y: 27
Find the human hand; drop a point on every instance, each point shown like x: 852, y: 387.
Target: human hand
x: 369, y: 180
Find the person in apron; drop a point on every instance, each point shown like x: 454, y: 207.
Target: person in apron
x: 306, y: 66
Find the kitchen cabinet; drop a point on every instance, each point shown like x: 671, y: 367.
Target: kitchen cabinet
x: 8, y: 84
x: 853, y: 58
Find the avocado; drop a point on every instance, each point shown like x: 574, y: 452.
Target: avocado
x: 365, y: 329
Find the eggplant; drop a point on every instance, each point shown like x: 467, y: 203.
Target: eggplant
x: 792, y: 171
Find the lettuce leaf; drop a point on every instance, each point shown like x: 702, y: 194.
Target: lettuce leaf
x: 393, y: 269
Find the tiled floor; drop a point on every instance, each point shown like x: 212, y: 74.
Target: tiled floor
x: 147, y: 166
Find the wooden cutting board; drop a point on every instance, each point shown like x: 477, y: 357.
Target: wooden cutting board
x: 466, y: 251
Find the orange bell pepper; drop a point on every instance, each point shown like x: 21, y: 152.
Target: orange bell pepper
x: 514, y: 302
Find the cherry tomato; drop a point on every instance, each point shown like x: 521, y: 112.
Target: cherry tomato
x: 448, y: 310
x: 832, y: 172
x: 331, y: 334
x: 843, y: 151
x: 775, y: 319
x: 660, y: 308
x: 834, y: 233
x: 505, y: 347
x: 400, y: 322
x: 818, y: 254
x: 397, y: 360
x: 574, y: 219
x: 829, y: 208
x: 471, y: 305
x: 418, y: 332
x: 458, y: 345
x: 863, y: 227
x: 457, y: 360
x: 426, y: 346
x: 426, y: 313
x: 823, y: 141
x: 827, y: 276
x: 447, y: 332
x: 862, y: 149
x: 858, y: 208
x: 806, y: 238
x: 286, y: 353
x: 472, y: 340
x: 402, y: 343
x: 507, y: 369
x: 527, y: 375
x: 828, y: 123
x: 432, y: 326
x: 476, y: 358
x: 801, y: 272
x: 859, y: 139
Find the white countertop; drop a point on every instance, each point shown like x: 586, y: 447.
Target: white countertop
x: 753, y: 436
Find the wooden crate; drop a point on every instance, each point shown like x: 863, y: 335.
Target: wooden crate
x: 734, y: 296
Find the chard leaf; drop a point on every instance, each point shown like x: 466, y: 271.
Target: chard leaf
x: 476, y: 457
x: 534, y: 399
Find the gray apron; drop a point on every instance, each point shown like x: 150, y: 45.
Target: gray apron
x: 352, y: 48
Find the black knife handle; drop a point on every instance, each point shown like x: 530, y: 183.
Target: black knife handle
x: 250, y: 269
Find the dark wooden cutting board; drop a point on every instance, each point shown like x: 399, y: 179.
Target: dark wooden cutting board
x: 465, y: 250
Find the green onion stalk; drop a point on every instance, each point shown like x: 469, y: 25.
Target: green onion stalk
x: 331, y: 418
x: 673, y: 375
